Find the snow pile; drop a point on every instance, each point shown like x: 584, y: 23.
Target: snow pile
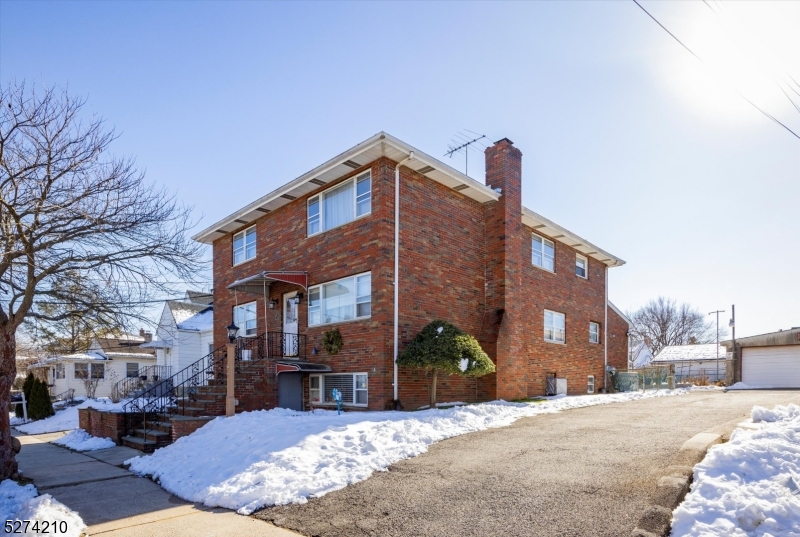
x: 21, y: 503
x: 45, y: 508
x: 749, y: 486
x: 12, y: 497
x: 281, y: 456
x: 80, y: 440
x: 743, y: 386
x: 15, y: 420
x: 67, y: 419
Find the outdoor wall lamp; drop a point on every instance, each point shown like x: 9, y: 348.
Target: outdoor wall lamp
x: 272, y: 304
x: 296, y: 298
x: 315, y: 351
x: 232, y: 331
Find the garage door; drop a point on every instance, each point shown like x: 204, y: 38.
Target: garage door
x: 771, y: 367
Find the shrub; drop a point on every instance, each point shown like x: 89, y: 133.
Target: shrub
x: 27, y: 387
x: 441, y: 346
x: 40, y: 406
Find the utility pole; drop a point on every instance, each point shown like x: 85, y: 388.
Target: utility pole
x: 712, y: 313
x: 736, y: 360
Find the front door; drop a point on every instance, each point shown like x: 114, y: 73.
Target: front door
x: 290, y: 324
x: 290, y: 391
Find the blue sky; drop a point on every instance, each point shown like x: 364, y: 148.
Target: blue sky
x: 627, y: 139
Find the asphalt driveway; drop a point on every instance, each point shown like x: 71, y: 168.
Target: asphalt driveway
x: 583, y: 472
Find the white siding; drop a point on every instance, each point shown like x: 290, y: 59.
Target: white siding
x: 771, y: 367
x: 118, y: 366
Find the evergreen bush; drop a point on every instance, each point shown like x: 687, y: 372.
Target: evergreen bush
x: 40, y: 406
x: 27, y: 387
x: 443, y: 347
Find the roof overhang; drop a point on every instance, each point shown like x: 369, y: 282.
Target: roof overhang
x: 295, y: 366
x: 547, y: 227
x: 377, y: 146
x: 257, y: 283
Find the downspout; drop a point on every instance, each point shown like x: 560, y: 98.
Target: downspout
x: 605, y: 339
x: 396, y: 282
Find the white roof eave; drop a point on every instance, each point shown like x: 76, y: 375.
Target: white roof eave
x: 474, y: 189
x: 546, y: 226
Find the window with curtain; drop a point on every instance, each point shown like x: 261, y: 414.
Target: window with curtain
x: 340, y: 204
x: 340, y: 300
x: 554, y: 325
x: 244, y: 317
x: 353, y: 387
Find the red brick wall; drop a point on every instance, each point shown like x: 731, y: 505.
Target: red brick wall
x: 617, y: 341
x: 184, y: 426
x: 102, y: 424
x: 461, y: 261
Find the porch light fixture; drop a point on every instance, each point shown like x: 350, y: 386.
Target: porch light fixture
x: 315, y: 350
x: 232, y: 331
x: 272, y: 304
x: 296, y: 298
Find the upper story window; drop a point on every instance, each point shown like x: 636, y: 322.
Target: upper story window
x: 581, y: 266
x: 594, y: 332
x: 554, y: 325
x: 341, y: 300
x: 544, y: 253
x: 244, y: 245
x: 244, y: 317
x: 340, y: 205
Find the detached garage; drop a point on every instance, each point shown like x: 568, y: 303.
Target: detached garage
x: 769, y: 360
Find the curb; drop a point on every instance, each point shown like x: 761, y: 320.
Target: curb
x: 673, y: 486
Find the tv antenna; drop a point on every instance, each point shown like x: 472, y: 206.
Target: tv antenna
x: 461, y: 144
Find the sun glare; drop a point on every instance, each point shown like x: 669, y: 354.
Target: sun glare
x: 752, y: 48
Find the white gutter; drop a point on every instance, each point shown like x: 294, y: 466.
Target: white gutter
x: 397, y: 265
x: 605, y: 339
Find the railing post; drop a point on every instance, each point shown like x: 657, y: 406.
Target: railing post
x: 230, y: 400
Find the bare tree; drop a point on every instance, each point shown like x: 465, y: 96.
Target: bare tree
x: 665, y: 323
x: 70, y: 209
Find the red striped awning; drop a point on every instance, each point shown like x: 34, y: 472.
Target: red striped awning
x: 256, y: 283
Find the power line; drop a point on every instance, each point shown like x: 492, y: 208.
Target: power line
x: 770, y: 116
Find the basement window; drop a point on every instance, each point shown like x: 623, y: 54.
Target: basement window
x: 543, y: 253
x: 590, y: 386
x: 352, y: 386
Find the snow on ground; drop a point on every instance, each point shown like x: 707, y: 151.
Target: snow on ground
x: 743, y: 386
x: 281, y: 456
x: 22, y: 503
x: 67, y: 419
x: 15, y: 420
x: 749, y: 486
x: 80, y: 440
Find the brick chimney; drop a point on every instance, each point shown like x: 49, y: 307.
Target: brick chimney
x: 504, y: 251
x: 148, y: 336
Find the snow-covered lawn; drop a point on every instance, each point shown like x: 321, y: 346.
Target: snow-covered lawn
x: 80, y: 440
x: 67, y: 419
x: 22, y: 503
x: 749, y: 486
x: 280, y: 456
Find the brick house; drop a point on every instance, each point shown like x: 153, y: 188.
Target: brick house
x: 319, y: 253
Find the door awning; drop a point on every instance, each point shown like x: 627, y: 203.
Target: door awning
x: 293, y: 366
x: 256, y: 283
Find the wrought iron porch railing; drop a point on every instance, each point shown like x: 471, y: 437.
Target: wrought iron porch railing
x: 178, y: 392
x: 66, y: 396
x: 132, y: 386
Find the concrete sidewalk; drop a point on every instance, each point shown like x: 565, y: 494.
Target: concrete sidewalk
x: 116, y: 503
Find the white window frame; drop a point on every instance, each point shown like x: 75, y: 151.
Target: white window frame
x: 596, y: 334
x: 245, y: 233
x: 590, y: 384
x: 59, y: 371
x: 319, y: 310
x: 243, y: 325
x: 552, y: 328
x: 128, y: 371
x: 319, y: 199
x: 579, y: 257
x: 321, y: 389
x: 75, y: 370
x: 99, y: 365
x: 543, y: 241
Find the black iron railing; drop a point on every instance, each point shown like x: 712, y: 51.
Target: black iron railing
x: 177, y: 393
x: 66, y: 395
x: 146, y: 376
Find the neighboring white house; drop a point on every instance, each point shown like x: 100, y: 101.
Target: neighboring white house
x: 694, y: 361
x: 640, y: 354
x: 108, y: 359
x: 185, y: 331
